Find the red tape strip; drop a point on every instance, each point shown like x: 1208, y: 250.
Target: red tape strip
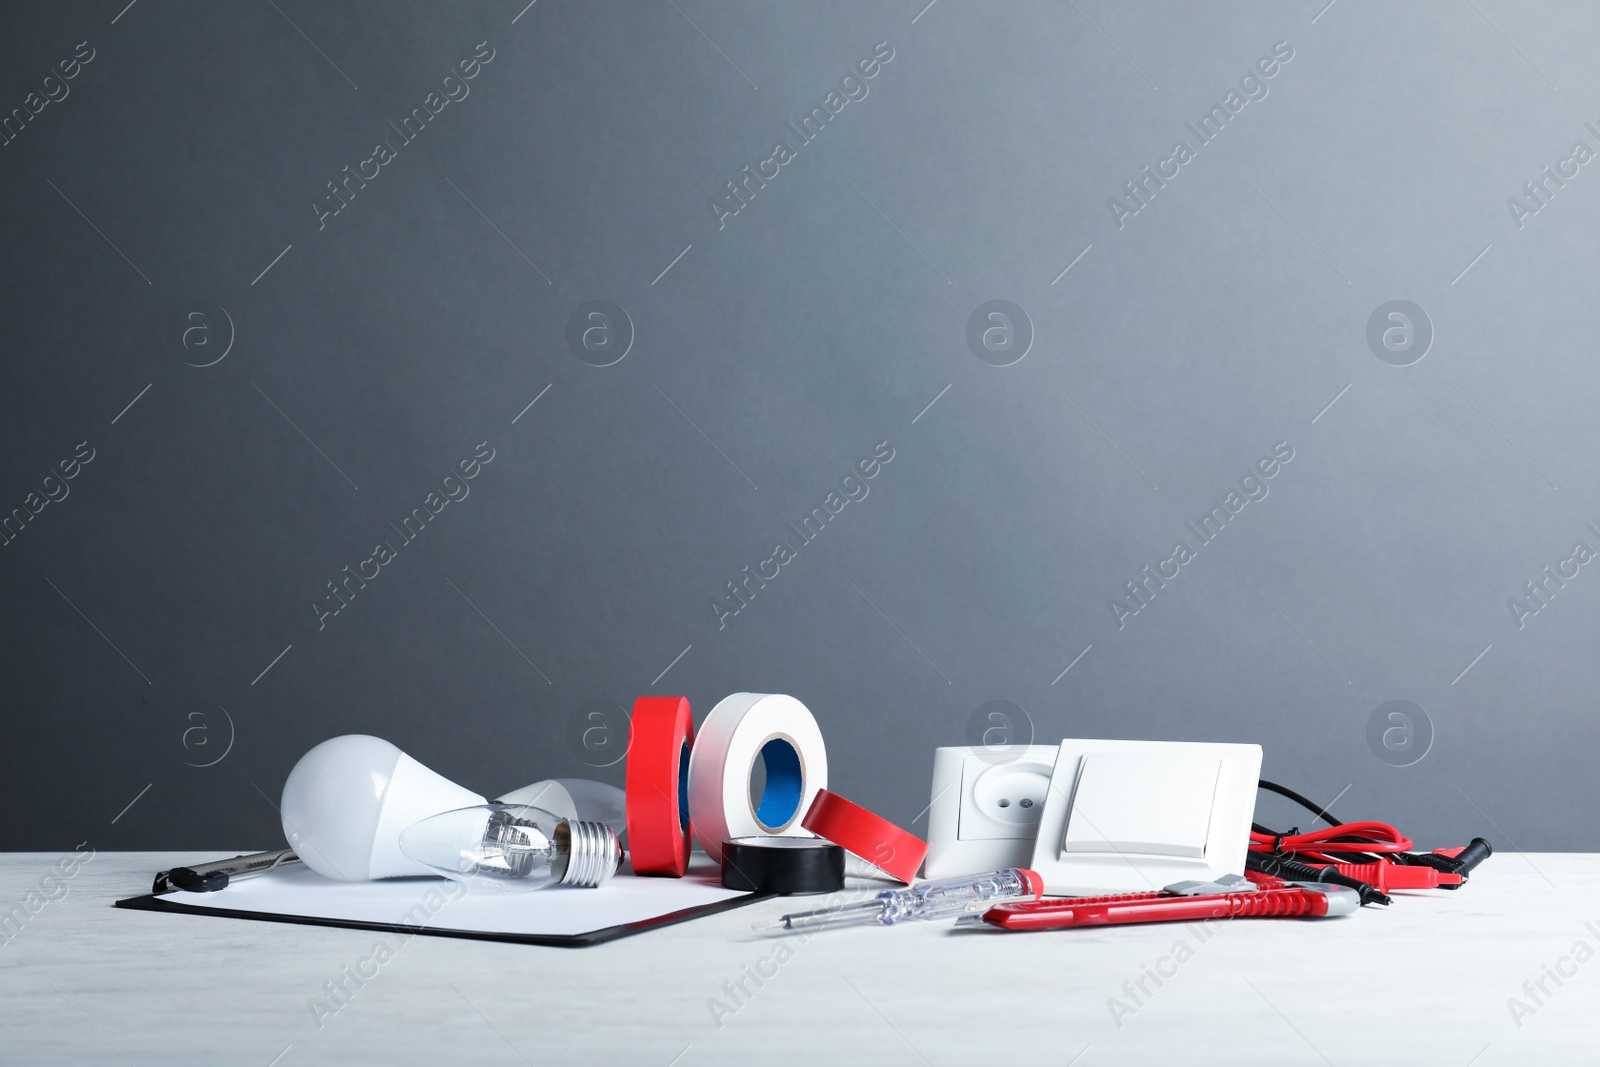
x: 657, y: 787
x: 876, y: 840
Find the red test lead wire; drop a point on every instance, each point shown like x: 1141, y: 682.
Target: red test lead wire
x: 1375, y: 838
x: 1386, y: 875
x: 1373, y: 857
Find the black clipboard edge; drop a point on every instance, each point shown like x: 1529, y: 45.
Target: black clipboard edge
x: 152, y: 902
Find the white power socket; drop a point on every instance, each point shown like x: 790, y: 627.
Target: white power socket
x: 986, y: 806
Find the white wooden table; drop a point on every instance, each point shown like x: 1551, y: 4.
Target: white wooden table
x: 1426, y: 981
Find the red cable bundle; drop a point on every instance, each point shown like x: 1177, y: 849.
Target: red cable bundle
x: 1374, y: 838
x: 1371, y: 857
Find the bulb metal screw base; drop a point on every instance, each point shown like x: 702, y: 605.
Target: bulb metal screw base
x: 593, y: 852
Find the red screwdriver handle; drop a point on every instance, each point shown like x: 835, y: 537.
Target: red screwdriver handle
x: 1287, y: 902
x: 1049, y: 903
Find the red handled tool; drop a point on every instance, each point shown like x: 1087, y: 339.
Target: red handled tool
x: 1288, y: 901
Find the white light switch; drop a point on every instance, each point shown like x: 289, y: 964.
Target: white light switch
x: 1150, y: 805
x: 1125, y: 816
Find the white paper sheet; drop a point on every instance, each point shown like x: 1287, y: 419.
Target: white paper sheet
x: 298, y: 892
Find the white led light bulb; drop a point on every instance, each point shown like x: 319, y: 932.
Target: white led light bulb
x: 347, y: 800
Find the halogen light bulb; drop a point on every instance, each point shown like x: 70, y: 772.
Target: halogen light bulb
x: 574, y: 798
x: 513, y: 847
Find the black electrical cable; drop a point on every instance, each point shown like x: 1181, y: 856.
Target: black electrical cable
x: 1284, y: 791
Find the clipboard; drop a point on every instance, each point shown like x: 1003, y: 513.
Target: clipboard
x: 559, y: 917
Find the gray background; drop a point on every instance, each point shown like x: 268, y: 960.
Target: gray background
x: 823, y: 319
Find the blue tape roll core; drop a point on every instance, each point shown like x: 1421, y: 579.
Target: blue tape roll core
x: 780, y: 799
x: 683, y: 787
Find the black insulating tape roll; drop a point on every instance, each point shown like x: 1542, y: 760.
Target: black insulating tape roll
x: 782, y: 865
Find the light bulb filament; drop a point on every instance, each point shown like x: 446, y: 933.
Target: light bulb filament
x: 511, y: 848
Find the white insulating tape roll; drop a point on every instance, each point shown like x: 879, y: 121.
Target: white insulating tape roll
x: 742, y: 730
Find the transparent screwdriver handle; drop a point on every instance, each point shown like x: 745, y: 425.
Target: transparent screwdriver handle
x: 945, y: 898
x: 948, y: 898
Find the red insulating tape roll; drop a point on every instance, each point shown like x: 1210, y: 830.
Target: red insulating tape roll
x: 876, y: 840
x: 657, y: 786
